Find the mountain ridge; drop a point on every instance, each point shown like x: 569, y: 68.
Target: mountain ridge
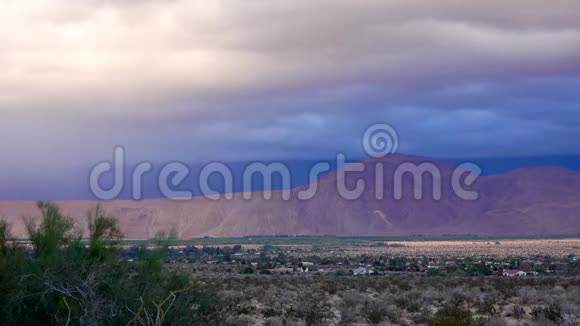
x: 526, y: 201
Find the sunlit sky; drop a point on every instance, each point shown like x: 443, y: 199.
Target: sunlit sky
x: 237, y: 80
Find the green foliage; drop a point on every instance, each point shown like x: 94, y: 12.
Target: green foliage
x: 4, y: 236
x: 54, y: 232
x: 341, y: 272
x: 268, y: 247
x: 62, y: 284
x: 248, y: 270
x: 453, y: 317
x: 433, y: 272
x: 102, y: 228
x: 481, y: 269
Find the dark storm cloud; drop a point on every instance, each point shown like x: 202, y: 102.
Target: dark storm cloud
x: 255, y: 80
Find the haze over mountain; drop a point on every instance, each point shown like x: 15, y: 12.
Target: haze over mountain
x: 526, y: 201
x: 73, y: 184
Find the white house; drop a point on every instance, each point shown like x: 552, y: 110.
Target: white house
x: 360, y: 271
x: 514, y: 273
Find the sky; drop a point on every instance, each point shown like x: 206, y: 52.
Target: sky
x: 292, y: 79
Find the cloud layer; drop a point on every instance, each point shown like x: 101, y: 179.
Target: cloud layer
x: 261, y: 79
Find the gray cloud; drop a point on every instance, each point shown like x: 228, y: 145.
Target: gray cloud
x: 253, y: 79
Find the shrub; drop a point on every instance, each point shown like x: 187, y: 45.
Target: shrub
x: 62, y: 283
x: 54, y: 232
x: 494, y: 321
x: 102, y: 228
x: 518, y: 312
x: 411, y: 301
x: 241, y: 320
x: 393, y: 313
x: 313, y: 309
x: 553, y: 313
x: 4, y: 236
x: 433, y: 272
x: 422, y: 316
x: 348, y: 314
x: 487, y: 305
x: 453, y: 317
x: 341, y: 272
x: 373, y: 312
x: 536, y: 312
x: 248, y: 270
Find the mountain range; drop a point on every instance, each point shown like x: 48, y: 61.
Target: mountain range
x: 526, y: 201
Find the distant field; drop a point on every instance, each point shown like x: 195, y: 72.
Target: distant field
x: 281, y: 240
x: 495, y: 247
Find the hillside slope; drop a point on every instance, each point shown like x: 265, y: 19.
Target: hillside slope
x: 527, y: 201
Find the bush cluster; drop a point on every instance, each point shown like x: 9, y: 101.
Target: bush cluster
x: 63, y: 280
